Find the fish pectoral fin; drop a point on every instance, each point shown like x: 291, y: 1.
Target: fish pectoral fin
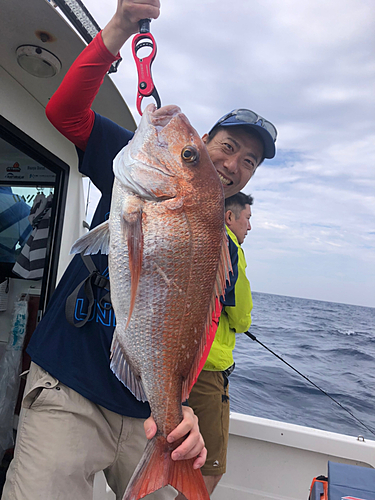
x: 123, y: 372
x: 133, y: 235
x: 222, y: 276
x: 95, y: 240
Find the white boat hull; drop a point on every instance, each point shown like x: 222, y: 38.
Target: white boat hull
x: 276, y: 460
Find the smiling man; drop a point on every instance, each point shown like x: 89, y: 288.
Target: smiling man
x: 237, y: 144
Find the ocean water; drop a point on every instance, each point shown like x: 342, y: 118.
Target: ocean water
x: 331, y: 344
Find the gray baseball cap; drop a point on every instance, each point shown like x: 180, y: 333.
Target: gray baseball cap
x: 263, y: 127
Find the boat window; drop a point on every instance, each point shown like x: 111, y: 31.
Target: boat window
x: 33, y: 185
x: 25, y: 216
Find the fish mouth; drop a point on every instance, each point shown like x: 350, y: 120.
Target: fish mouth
x: 159, y: 118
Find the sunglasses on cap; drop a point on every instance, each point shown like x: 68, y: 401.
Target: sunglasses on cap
x: 245, y: 116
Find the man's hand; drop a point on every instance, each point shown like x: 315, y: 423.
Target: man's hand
x: 192, y: 446
x: 125, y: 21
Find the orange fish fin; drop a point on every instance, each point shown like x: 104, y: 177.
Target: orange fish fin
x: 209, y: 340
x: 212, y: 320
x: 123, y: 372
x: 156, y: 469
x: 134, y: 236
x: 222, y: 277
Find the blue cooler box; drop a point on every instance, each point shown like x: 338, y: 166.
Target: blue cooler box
x: 350, y: 482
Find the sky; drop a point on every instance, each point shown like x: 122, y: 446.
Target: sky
x: 309, y: 67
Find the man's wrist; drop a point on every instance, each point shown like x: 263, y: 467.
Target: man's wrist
x: 114, y: 36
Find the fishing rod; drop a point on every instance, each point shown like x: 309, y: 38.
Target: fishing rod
x: 253, y: 337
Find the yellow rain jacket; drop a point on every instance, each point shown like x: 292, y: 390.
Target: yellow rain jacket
x: 233, y: 320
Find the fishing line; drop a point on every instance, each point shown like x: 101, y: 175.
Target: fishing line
x: 253, y: 337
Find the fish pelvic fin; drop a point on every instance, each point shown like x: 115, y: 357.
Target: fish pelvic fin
x: 132, y: 224
x: 212, y: 321
x: 95, y: 240
x: 156, y: 469
x: 123, y: 372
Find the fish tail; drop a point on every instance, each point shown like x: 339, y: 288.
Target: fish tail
x: 156, y: 469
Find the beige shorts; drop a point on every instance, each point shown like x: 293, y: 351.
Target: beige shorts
x: 63, y: 439
x: 210, y: 401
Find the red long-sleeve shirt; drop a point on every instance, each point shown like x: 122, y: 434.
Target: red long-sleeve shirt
x: 69, y: 109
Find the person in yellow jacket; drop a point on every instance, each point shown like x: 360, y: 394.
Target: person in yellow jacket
x: 209, y: 397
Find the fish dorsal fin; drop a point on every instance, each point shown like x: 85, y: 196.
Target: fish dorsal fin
x: 222, y: 276
x: 123, y: 372
x: 133, y: 234
x: 96, y: 240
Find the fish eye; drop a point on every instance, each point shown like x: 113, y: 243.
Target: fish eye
x: 189, y: 154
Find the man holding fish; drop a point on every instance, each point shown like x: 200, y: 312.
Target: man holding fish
x: 168, y: 260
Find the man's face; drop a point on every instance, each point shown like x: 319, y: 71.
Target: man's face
x: 236, y: 155
x: 241, y: 225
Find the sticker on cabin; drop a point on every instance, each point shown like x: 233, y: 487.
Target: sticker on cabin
x: 14, y: 168
x: 16, y: 171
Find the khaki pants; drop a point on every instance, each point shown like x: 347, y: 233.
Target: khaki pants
x: 63, y: 439
x: 209, y: 399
